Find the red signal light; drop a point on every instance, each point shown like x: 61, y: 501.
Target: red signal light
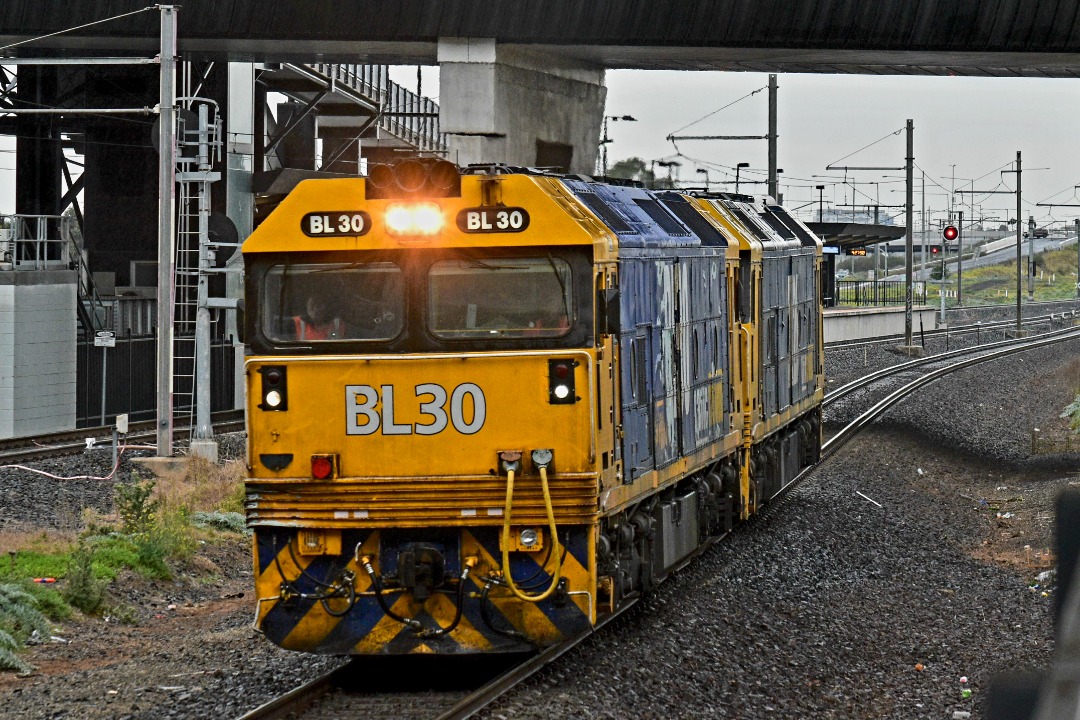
x: 934, y: 249
x: 950, y: 232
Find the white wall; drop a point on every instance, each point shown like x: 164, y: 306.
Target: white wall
x: 37, y: 352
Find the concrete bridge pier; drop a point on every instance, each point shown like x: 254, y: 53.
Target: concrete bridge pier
x: 519, y: 107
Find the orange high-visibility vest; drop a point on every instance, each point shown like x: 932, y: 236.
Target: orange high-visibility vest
x: 304, y: 331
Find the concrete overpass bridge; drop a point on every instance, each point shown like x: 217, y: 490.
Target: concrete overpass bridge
x: 969, y: 37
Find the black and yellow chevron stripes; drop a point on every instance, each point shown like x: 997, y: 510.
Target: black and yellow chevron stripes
x: 296, y: 621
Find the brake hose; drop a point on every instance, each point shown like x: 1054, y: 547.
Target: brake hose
x: 462, y: 581
x: 557, y: 573
x: 365, y: 562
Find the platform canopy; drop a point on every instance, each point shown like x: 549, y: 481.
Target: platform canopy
x: 855, y: 235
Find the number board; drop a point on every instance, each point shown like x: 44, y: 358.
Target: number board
x: 856, y: 251
x: 493, y: 220
x: 345, y: 223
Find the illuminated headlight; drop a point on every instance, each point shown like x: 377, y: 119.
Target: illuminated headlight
x: 414, y: 219
x: 275, y: 388
x: 529, y: 538
x: 561, y: 382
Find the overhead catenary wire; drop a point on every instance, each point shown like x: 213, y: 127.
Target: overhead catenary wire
x: 719, y: 109
x: 856, y: 152
x: 79, y: 27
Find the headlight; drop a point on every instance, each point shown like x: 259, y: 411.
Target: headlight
x: 414, y: 219
x: 561, y: 382
x: 275, y: 392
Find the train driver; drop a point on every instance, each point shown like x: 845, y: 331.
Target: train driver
x: 319, y: 321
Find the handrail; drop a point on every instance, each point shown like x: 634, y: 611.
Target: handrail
x: 47, y: 242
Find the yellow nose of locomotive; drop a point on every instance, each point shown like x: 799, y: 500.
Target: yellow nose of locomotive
x: 416, y: 441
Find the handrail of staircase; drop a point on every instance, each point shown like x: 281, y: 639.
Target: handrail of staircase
x: 402, y: 113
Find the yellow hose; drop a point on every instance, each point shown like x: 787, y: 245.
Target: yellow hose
x: 556, y: 551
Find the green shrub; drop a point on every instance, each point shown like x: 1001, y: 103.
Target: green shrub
x: 1072, y: 414
x: 225, y: 521
x: 8, y: 659
x: 49, y: 601
x: 152, y: 549
x: 19, y: 619
x: 83, y: 589
x: 134, y: 506
x: 19, y: 614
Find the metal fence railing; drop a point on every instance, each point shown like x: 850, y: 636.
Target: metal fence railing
x: 130, y: 382
x: 872, y: 293
x: 51, y: 242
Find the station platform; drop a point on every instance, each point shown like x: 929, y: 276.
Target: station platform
x: 844, y: 324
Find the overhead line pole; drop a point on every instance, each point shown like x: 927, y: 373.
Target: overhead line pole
x: 771, y: 136
x: 908, y: 239
x: 960, y: 259
x: 1019, y: 243
x: 166, y: 229
x: 1019, y: 249
x: 922, y: 252
x: 772, y: 139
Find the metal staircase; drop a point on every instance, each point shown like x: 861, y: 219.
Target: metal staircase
x: 360, y: 101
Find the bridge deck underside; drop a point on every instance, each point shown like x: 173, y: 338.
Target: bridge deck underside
x: 938, y: 37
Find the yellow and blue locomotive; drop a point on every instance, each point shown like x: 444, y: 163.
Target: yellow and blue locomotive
x: 487, y: 408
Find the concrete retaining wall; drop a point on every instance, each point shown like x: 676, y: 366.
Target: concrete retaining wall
x: 867, y: 323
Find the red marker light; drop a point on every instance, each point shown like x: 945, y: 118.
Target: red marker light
x: 561, y: 370
x: 322, y: 467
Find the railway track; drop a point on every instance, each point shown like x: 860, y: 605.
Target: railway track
x: 68, y: 442
x: 338, y: 694
x: 871, y: 378
x: 985, y: 354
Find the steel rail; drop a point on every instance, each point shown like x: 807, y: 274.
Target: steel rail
x: 478, y: 700
x: 300, y: 698
x: 853, y: 428
x: 24, y: 449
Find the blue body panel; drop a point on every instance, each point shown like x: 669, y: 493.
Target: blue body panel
x: 673, y: 343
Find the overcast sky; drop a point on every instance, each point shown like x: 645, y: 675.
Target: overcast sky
x: 976, y: 124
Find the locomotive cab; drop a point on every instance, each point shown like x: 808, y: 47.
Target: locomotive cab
x: 423, y: 451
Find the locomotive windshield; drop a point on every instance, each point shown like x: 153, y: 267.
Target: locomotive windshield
x: 500, y: 297
x: 329, y: 302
